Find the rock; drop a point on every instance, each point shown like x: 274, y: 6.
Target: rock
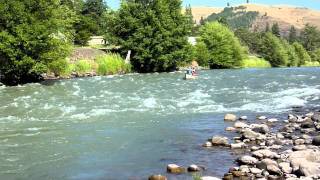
x: 316, y: 141
x: 244, y: 168
x: 309, y: 169
x: 194, y: 168
x: 219, y: 141
x: 238, y: 145
x: 238, y: 173
x: 175, y: 169
x: 231, y: 129
x: 299, y: 147
x: 254, y: 148
x: 309, y: 157
x: 315, y: 117
x: 299, y: 142
x: 280, y: 136
x: 285, y: 167
x: 228, y: 176
x: 209, y: 178
x: 230, y: 117
x: 274, y: 169
x: 307, y: 124
x: 255, y: 171
x: 243, y: 118
x: 262, y: 118
x: 260, y: 128
x: 240, y: 125
x: 249, y: 134
x: 157, y: 177
x: 207, y: 144
x: 249, y: 160
x: 265, y: 153
x: 265, y: 163
x: 272, y: 120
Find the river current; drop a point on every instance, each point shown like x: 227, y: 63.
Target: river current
x: 132, y: 126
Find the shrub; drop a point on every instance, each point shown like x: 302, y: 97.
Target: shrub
x: 255, y: 62
x: 225, y: 50
x: 112, y: 64
x: 301, y: 53
x: 59, y: 67
x: 311, y: 64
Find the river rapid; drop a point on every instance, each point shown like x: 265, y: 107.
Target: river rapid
x: 132, y: 126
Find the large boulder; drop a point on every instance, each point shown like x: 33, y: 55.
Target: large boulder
x: 175, y: 169
x: 230, y: 117
x: 265, y: 153
x: 306, y: 161
x: 316, y: 117
x: 240, y: 125
x: 219, y: 141
x: 316, y: 141
x: 307, y: 124
x: 285, y: 167
x: 248, y: 160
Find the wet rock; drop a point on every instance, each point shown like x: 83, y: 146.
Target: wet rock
x: 157, y: 177
x: 219, y: 141
x: 272, y: 120
x: 255, y: 148
x: 249, y: 134
x: 193, y: 168
x: 316, y: 117
x: 240, y: 125
x: 230, y: 117
x: 238, y: 173
x: 285, y: 167
x: 209, y: 178
x: 316, y: 141
x: 307, y: 124
x: 231, y: 129
x: 243, y: 118
x: 207, y: 144
x: 260, y: 128
x: 175, y: 169
x: 238, y: 145
x: 265, y: 153
x: 228, y: 176
x: 262, y: 118
x: 248, y: 160
x: 244, y: 168
x: 280, y: 136
x: 299, y: 147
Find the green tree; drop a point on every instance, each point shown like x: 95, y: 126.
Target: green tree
x: 273, y: 50
x: 155, y: 31
x: 293, y: 59
x: 267, y: 27
x: 202, y: 54
x: 293, y: 35
x: 310, y: 37
x: 253, y: 40
x: 315, y: 55
x: 202, y: 21
x: 224, y: 48
x: 301, y: 53
x: 33, y: 36
x: 190, y: 21
x: 275, y: 29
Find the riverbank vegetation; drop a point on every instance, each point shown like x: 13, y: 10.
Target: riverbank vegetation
x: 38, y: 37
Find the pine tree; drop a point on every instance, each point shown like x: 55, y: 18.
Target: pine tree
x: 310, y: 37
x: 301, y: 53
x: 202, y: 21
x: 293, y: 35
x: 189, y: 17
x: 275, y: 29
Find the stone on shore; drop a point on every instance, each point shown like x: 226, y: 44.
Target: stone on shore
x: 219, y: 141
x: 308, y: 159
x: 238, y: 145
x: 240, y: 125
x: 307, y: 124
x: 260, y: 128
x: 249, y: 134
x: 248, y: 160
x: 230, y: 117
x: 194, y: 168
x: 265, y: 153
x: 285, y: 167
x: 273, y: 120
x: 243, y: 118
x: 316, y: 117
x: 231, y: 129
x: 262, y: 118
x: 207, y: 144
x: 157, y: 177
x: 175, y: 169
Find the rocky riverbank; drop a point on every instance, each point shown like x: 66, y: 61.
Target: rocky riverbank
x: 272, y: 148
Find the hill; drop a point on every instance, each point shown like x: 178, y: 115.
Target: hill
x: 285, y: 15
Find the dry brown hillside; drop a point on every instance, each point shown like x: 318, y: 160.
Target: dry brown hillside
x: 283, y: 14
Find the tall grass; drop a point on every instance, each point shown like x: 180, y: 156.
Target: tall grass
x: 255, y: 62
x: 112, y: 64
x: 83, y: 66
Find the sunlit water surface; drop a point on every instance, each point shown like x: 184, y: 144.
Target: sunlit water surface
x: 132, y: 126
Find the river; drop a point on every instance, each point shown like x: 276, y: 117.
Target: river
x: 132, y: 126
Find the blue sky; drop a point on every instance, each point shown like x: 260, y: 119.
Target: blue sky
x: 312, y: 4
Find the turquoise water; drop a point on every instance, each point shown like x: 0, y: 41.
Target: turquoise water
x: 132, y: 126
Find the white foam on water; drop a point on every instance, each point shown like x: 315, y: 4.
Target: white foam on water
x: 33, y: 129
x: 100, y: 112
x: 80, y: 116
x: 150, y: 102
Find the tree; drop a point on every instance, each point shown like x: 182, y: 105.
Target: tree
x: 202, y: 21
x: 292, y: 35
x: 253, y: 40
x: 202, y: 54
x: 190, y: 21
x: 267, y: 27
x: 225, y: 50
x: 301, y: 53
x: 228, y: 4
x: 275, y: 29
x: 273, y: 50
x: 35, y: 35
x: 315, y: 55
x: 155, y: 31
x: 293, y: 59
x: 310, y: 37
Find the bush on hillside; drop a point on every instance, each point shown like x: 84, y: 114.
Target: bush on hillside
x: 302, y: 54
x: 255, y: 62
